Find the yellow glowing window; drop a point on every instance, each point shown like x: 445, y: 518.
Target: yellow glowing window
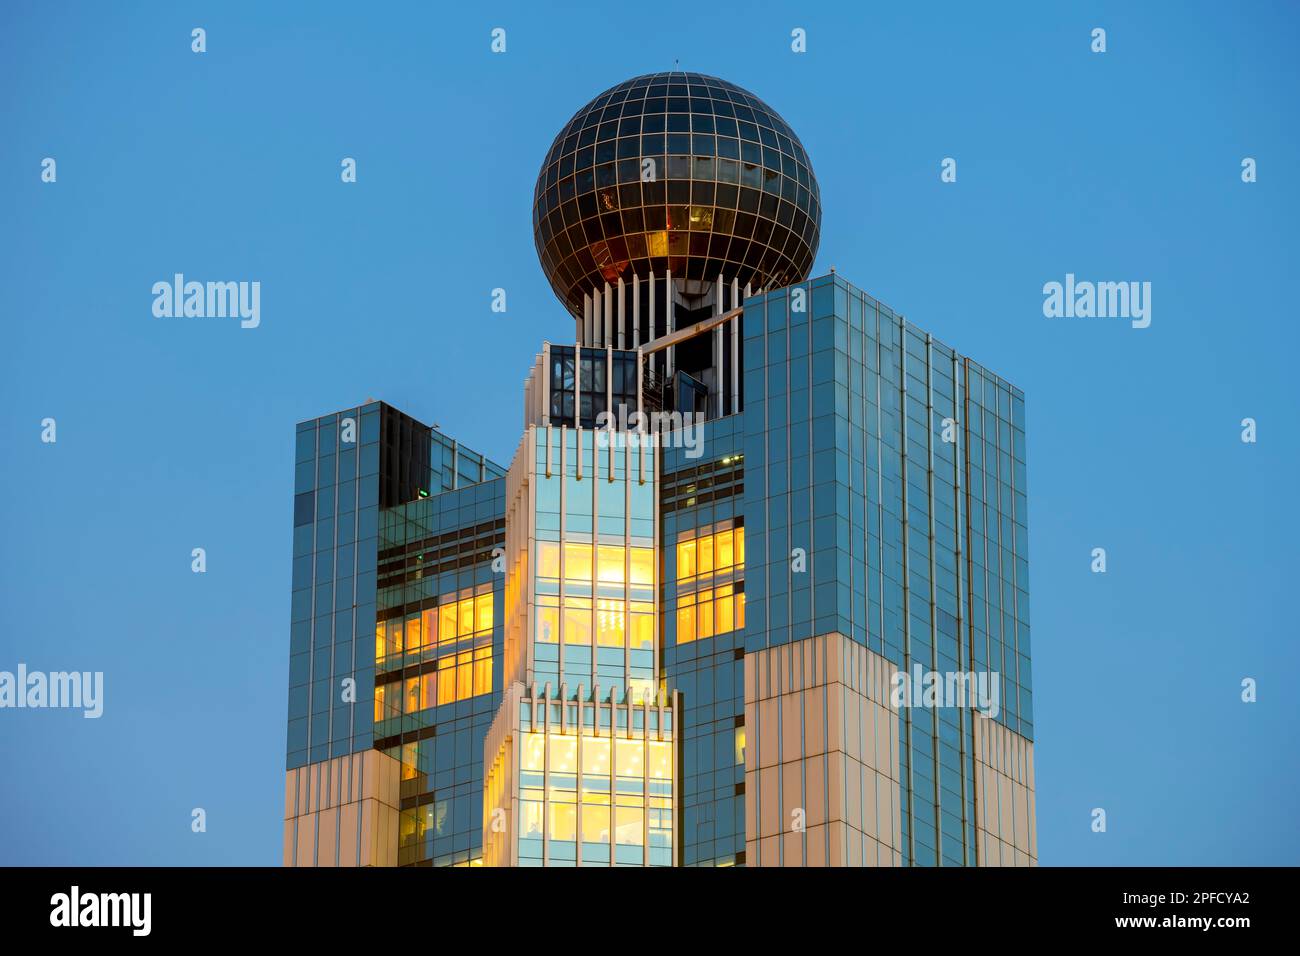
x: 724, y: 550
x: 564, y: 821
x: 564, y: 754
x: 705, y: 554
x: 643, y: 631
x: 412, y: 694
x: 548, y: 559
x: 724, y: 609
x: 609, y: 622
x: 381, y: 642
x: 577, y: 621
x: 595, y: 823
x: 395, y: 635
x: 657, y: 243
x: 661, y: 760
x: 704, y: 616
x: 429, y: 688
x: 465, y: 675
x: 465, y: 617
x: 577, y: 562
x: 447, y: 680
x: 740, y: 610
x: 630, y: 755
x: 483, y: 613
x: 595, y: 756
x: 686, y: 560
x: 740, y: 546
x: 410, y: 757
x: 380, y: 693
x: 483, y: 671
x: 643, y: 566
x: 532, y: 755
x: 740, y: 745
x: 447, y: 623
x: 412, y: 633
x: 610, y: 564
x: 548, y: 625
x: 630, y: 823
x: 686, y: 620
x: 429, y: 626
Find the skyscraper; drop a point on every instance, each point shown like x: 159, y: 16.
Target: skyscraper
x: 753, y: 590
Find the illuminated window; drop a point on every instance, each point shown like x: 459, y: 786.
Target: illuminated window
x: 412, y: 694
x: 630, y: 754
x: 428, y: 689
x: 595, y: 823
x: 381, y: 642
x: 531, y: 813
x: 483, y: 613
x: 630, y: 823
x: 704, y: 555
x: 548, y: 625
x: 643, y: 566
x: 410, y: 755
x: 577, y: 620
x: 661, y: 760
x: 412, y: 635
x: 429, y: 626
x: 483, y: 671
x: 609, y: 622
x: 564, y: 821
x: 533, y: 753
x: 610, y: 564
x: 577, y: 562
x: 740, y: 547
x: 704, y: 614
x: 564, y: 754
x: 740, y: 610
x: 685, y: 560
x: 643, y: 625
x: 724, y: 609
x: 447, y: 679
x: 465, y: 617
x: 464, y: 675
x: 595, y: 756
x: 447, y: 623
x: 548, y: 559
x: 724, y: 550
x: 379, y: 702
x: 686, y: 619
x: 740, y: 745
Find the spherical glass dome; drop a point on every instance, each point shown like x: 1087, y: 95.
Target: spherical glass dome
x: 676, y: 171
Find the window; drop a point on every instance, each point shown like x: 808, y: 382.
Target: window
x: 685, y: 560
x: 609, y: 622
x: 643, y: 566
x: 610, y: 565
x: 577, y: 620
x: 548, y: 560
x: 577, y: 562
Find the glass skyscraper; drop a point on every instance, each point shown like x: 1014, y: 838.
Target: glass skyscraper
x: 753, y: 590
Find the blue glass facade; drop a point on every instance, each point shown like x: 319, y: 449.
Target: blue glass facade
x: 885, y: 500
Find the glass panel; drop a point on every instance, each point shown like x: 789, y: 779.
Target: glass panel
x: 643, y: 566
x: 548, y: 559
x: 577, y: 561
x: 685, y: 560
x: 611, y: 558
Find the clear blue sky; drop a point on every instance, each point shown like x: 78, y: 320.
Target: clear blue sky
x: 176, y: 434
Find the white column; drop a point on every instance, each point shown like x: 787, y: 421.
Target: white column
x: 622, y: 313
x: 669, y: 311
x: 636, y: 311
x: 609, y: 317
x: 719, y: 386
x: 585, y: 335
